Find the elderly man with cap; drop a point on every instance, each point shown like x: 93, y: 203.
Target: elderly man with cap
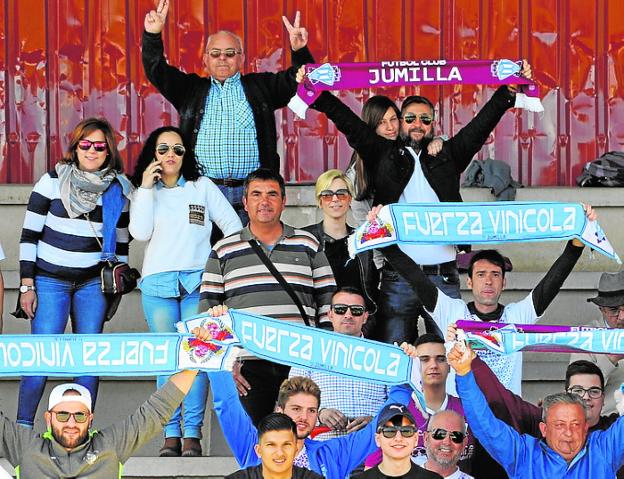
x: 610, y: 302
x: 396, y: 437
x: 70, y: 449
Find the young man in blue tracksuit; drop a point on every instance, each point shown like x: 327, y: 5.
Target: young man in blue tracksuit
x: 298, y: 398
x: 567, y: 451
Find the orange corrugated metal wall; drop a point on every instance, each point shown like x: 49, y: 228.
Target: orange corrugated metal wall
x: 63, y: 60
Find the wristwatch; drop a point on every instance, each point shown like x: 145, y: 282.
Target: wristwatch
x: 25, y: 288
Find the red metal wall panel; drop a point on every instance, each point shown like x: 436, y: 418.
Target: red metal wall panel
x: 63, y: 60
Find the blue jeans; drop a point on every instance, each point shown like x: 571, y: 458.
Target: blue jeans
x: 234, y: 195
x: 400, y: 306
x: 162, y: 314
x: 57, y: 299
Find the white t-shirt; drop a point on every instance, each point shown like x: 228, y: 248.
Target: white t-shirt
x: 418, y: 190
x: 1, y: 253
x: 508, y: 368
x: 420, y: 461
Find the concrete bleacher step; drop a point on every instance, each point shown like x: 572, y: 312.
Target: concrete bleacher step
x: 171, y: 467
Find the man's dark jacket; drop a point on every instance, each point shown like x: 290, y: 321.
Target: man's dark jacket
x: 255, y: 472
x: 187, y: 92
x: 390, y: 164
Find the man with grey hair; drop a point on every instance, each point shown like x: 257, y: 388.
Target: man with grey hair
x: 445, y: 440
x: 566, y: 449
x: 227, y: 119
x: 610, y: 302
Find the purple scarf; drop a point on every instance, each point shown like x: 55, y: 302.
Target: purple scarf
x: 347, y: 76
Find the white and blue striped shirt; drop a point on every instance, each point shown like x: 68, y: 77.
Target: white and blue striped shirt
x: 53, y: 244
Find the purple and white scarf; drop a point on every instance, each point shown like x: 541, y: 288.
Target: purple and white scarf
x: 348, y: 76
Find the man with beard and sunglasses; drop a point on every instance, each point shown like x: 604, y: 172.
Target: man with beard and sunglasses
x: 445, y: 441
x: 70, y: 448
x: 396, y: 437
x: 227, y: 117
x: 403, y: 171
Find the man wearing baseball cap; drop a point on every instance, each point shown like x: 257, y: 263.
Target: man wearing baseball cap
x: 69, y: 449
x: 610, y: 302
x: 396, y: 437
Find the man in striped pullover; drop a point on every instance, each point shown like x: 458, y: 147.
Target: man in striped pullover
x: 237, y: 277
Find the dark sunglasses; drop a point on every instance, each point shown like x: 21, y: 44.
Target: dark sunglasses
x: 390, y: 431
x: 328, y: 195
x: 356, y: 309
x: 63, y: 416
x: 177, y: 149
x: 456, y: 436
x: 98, y: 146
x: 228, y: 52
x: 423, y: 117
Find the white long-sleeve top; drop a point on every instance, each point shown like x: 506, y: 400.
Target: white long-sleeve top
x: 177, y: 222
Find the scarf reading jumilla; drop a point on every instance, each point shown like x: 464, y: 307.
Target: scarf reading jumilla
x: 69, y: 355
x: 505, y: 338
x: 348, y: 76
x: 479, y: 223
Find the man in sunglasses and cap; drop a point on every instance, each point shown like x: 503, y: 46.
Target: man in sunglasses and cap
x: 70, y: 449
x: 404, y: 171
x: 610, y: 302
x: 396, y: 437
x: 227, y: 118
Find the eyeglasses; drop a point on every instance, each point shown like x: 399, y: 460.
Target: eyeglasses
x: 98, y: 146
x: 356, y: 309
x: 177, y: 149
x: 228, y: 52
x: 328, y: 195
x: 63, y: 416
x: 613, y: 310
x: 390, y: 431
x: 423, y: 117
x: 456, y: 436
x: 592, y: 393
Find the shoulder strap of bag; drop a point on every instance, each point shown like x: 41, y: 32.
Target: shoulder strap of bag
x: 280, y: 279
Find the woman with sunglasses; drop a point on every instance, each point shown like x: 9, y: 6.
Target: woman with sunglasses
x: 62, y: 240
x: 334, y: 192
x: 173, y: 209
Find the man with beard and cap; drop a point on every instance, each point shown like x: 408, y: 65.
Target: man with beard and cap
x: 403, y: 171
x: 610, y: 302
x: 70, y: 448
x: 396, y: 437
x: 445, y: 441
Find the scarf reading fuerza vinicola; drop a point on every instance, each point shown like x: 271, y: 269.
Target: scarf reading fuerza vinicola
x: 348, y: 76
x: 479, y: 223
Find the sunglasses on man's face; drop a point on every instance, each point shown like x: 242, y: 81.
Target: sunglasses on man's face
x: 228, y: 52
x: 328, y: 195
x: 423, y: 117
x: 456, y: 436
x: 390, y: 431
x: 356, y: 309
x: 177, y: 149
x: 98, y: 146
x: 63, y: 416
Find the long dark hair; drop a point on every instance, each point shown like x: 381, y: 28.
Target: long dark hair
x: 372, y: 113
x: 85, y: 128
x: 189, y: 170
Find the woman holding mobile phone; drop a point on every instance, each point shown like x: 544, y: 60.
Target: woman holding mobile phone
x: 173, y: 209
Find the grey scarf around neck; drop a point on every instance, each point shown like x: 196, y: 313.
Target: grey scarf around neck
x: 80, y: 190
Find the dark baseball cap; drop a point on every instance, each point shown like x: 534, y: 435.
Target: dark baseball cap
x: 393, y: 410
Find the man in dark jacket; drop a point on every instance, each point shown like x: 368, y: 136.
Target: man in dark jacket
x: 227, y: 118
x: 276, y: 448
x: 403, y: 171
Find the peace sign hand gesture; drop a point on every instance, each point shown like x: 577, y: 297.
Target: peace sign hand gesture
x: 155, y: 19
x: 298, y: 35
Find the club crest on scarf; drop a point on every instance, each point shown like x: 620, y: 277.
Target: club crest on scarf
x: 376, y: 230
x: 326, y: 74
x: 200, y: 351
x: 502, y: 69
